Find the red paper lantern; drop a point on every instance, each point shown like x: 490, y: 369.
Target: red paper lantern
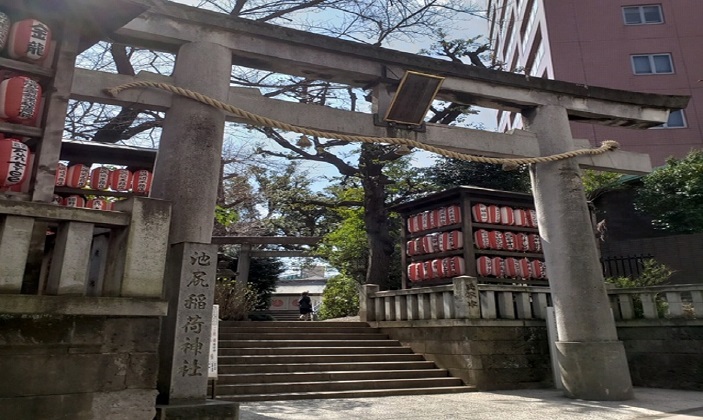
x: 453, y: 215
x: 433, y: 270
x: 512, y: 267
x: 61, y: 175
x: 414, y: 247
x: 506, y: 216
x: 481, y: 239
x: 5, y: 26
x: 97, y: 204
x: 484, y: 266
x: 456, y: 267
x: 20, y: 98
x: 120, y: 179
x: 524, y: 268
x: 415, y: 272
x: 451, y: 240
x: 100, y: 178
x: 14, y: 162
x: 414, y: 223
x: 442, y: 217
x: 141, y: 182
x: 434, y: 218
x: 523, y: 240
x: 29, y: 40
x: 532, y: 218
x: 520, y: 216
x: 438, y: 268
x: 480, y: 213
x: 77, y: 176
x: 534, y: 242
x: 74, y: 201
x: 430, y: 243
x: 495, y: 239
x: 510, y: 242
x: 538, y: 269
x: 425, y: 220
x: 498, y: 269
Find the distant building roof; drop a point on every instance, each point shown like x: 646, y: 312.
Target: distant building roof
x: 296, y: 287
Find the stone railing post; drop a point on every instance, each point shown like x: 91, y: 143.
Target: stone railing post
x: 135, y: 267
x: 466, y: 297
x: 15, y: 236
x: 367, y: 308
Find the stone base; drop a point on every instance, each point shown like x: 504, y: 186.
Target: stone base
x: 595, y: 371
x: 204, y: 410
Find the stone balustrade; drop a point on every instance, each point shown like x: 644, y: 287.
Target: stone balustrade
x: 92, y: 255
x: 466, y: 299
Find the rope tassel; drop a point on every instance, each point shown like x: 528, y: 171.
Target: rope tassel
x: 606, y: 146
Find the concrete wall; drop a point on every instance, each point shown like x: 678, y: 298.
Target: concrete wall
x: 512, y: 355
x: 78, y: 368
x: 484, y: 354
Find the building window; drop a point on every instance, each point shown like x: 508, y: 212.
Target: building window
x: 676, y: 120
x: 652, y: 64
x: 643, y: 15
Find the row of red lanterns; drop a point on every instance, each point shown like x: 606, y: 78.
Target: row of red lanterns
x: 504, y: 215
x: 103, y: 178
x: 511, y: 268
x: 432, y: 219
x: 435, y: 242
x: 81, y: 202
x: 507, y: 241
x: 436, y: 269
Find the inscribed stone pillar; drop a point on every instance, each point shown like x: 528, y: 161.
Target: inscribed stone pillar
x: 592, y: 360
x: 186, y: 172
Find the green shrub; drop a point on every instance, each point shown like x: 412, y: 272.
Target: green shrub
x: 653, y: 273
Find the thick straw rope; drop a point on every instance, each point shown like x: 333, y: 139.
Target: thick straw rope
x: 606, y: 146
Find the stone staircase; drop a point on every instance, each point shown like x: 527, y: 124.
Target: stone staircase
x: 269, y: 361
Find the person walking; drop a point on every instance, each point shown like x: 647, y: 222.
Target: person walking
x: 305, y: 305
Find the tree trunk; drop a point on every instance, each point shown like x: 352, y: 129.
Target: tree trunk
x: 381, y: 245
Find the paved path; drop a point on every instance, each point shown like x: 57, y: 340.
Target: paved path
x: 649, y: 403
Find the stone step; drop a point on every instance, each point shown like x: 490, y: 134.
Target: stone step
x: 322, y: 367
x: 318, y: 358
x: 346, y: 375
x: 323, y: 386
x: 253, y: 351
x: 228, y: 344
x: 301, y: 336
x: 348, y: 394
x: 308, y: 324
x: 298, y: 329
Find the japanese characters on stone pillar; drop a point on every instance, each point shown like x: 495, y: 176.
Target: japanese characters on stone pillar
x: 184, y: 357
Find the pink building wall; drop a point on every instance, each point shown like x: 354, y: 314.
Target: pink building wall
x: 589, y: 43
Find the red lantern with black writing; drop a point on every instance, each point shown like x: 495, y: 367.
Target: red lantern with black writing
x: 14, y: 162
x: 61, y: 175
x: 538, y: 271
x: 484, y: 266
x: 20, y: 98
x: 498, y: 269
x: 512, y: 267
x: 438, y: 268
x: 141, y: 182
x: 77, y: 176
x: 97, y: 204
x: 414, y: 247
x: 5, y: 25
x: 523, y: 241
x: 74, y: 201
x: 534, y: 242
x: 120, y: 179
x: 442, y: 217
x: 506, y: 216
x: 100, y: 178
x: 425, y: 220
x: 29, y: 40
x: 453, y: 214
x: 481, y: 239
x: 414, y: 223
x: 430, y: 243
x: 520, y: 216
x: 524, y: 268
x: 510, y: 242
x: 495, y: 239
x: 451, y: 240
x: 415, y: 272
x: 456, y: 267
x: 532, y: 218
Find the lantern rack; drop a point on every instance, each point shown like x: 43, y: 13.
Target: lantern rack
x: 27, y: 68
x: 463, y: 199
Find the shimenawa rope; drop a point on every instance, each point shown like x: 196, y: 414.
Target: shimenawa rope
x: 606, y: 146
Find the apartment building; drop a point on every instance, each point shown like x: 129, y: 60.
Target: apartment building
x: 624, y: 44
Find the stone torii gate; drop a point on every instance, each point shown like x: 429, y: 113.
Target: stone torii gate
x: 591, y: 359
